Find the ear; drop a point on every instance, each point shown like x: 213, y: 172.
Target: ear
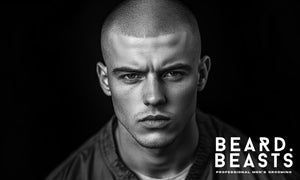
x: 203, y: 70
x: 103, y: 78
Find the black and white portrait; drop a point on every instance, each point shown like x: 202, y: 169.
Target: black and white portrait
x: 151, y: 90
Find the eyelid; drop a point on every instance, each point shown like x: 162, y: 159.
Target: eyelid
x: 176, y: 71
x: 130, y: 73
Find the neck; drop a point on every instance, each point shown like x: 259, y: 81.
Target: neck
x: 159, y: 162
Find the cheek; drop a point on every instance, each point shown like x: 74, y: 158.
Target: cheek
x: 124, y: 100
x: 184, y: 95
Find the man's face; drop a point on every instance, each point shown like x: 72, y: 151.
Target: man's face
x: 153, y: 84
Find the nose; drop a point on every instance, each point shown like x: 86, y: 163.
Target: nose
x: 153, y: 92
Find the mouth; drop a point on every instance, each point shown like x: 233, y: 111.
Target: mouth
x: 155, y: 122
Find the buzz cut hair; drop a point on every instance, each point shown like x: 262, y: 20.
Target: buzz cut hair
x: 148, y: 18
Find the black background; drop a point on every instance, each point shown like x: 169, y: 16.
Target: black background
x: 53, y: 101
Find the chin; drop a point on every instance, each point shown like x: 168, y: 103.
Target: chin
x: 157, y: 142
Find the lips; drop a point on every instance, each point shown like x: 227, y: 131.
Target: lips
x: 155, y: 122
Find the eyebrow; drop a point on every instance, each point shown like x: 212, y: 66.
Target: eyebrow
x: 126, y: 69
x: 182, y: 66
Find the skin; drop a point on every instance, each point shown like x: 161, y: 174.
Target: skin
x: 155, y: 76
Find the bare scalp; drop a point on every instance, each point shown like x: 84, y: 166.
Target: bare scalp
x: 148, y: 18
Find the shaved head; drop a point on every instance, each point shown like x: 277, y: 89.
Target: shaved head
x: 149, y: 18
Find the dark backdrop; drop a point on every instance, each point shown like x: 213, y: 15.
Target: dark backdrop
x: 53, y: 101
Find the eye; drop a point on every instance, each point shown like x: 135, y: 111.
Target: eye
x: 131, y: 77
x: 173, y: 75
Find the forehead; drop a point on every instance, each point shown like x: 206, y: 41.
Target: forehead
x: 166, y: 40
x: 159, y: 47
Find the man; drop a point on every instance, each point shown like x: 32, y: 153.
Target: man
x: 153, y: 70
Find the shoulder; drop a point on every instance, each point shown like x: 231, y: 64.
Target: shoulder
x: 86, y: 162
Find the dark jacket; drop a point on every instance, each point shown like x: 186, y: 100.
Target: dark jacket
x: 98, y: 158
